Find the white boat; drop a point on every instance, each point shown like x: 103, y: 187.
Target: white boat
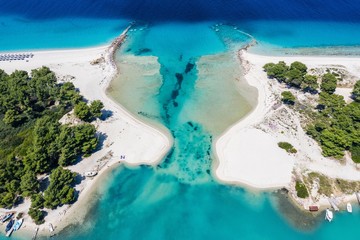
x: 329, y: 215
x: 51, y: 229
x: 18, y: 224
x: 349, y: 207
x: 90, y: 174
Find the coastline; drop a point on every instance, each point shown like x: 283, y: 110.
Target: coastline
x: 239, y: 159
x: 125, y: 138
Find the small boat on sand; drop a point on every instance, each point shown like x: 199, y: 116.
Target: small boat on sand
x: 9, y: 225
x: 51, y: 228
x: 329, y: 215
x: 18, y: 224
x: 90, y: 174
x: 6, y: 217
x: 349, y: 207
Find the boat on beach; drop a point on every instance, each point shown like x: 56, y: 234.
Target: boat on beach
x: 349, y: 207
x: 329, y: 215
x: 51, y: 228
x: 18, y: 224
x: 6, y: 217
x: 90, y: 174
x: 9, y: 225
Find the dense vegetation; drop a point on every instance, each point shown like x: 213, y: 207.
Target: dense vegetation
x: 294, y: 75
x: 34, y: 142
x: 287, y: 147
x: 334, y: 124
x: 301, y: 190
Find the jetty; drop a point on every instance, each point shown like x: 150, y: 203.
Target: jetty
x: 333, y: 203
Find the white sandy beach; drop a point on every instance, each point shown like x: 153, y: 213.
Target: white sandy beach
x: 126, y: 138
x: 248, y: 153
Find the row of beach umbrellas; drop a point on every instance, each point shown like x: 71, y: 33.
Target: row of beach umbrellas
x: 15, y: 56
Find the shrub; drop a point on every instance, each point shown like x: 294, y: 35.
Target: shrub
x: 301, y: 190
x: 287, y: 147
x: 37, y: 215
x: 288, y: 98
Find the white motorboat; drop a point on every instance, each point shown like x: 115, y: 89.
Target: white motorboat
x: 329, y: 215
x: 18, y: 224
x: 349, y: 207
x: 51, y: 228
x: 90, y: 174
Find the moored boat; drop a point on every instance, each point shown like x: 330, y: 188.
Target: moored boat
x: 329, y: 215
x: 18, y: 224
x: 7, y: 217
x: 9, y: 225
x: 349, y: 207
x: 9, y: 232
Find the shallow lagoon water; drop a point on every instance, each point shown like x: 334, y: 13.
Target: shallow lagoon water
x: 180, y: 199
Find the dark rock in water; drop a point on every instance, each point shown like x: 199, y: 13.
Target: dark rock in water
x: 143, y: 50
x: 284, y: 191
x: 128, y: 50
x: 190, y: 124
x: 175, y: 104
x: 179, y: 78
x: 174, y: 94
x: 189, y: 67
x: 208, y: 171
x: 180, y: 57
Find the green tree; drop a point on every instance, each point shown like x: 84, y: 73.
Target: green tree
x: 85, y: 137
x: 37, y: 201
x: 294, y: 77
x: 301, y: 190
x: 45, y: 150
x: 29, y: 183
x: 59, y: 191
x: 356, y: 91
x: 82, y: 111
x: 309, y: 83
x: 277, y: 71
x: 37, y: 215
x: 299, y: 66
x: 328, y: 83
x: 11, y: 117
x: 288, y: 98
x: 95, y: 108
x: 7, y: 199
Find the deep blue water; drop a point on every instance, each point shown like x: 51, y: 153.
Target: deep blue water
x: 179, y: 199
x: 35, y: 24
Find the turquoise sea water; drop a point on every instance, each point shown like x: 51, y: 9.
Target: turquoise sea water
x: 192, y: 86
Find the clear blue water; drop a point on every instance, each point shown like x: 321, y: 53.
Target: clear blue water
x: 179, y: 199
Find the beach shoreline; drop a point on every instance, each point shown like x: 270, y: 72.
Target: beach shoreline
x: 239, y: 162
x: 127, y: 139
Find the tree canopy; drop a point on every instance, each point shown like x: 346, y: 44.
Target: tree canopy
x: 294, y: 76
x: 328, y: 83
x: 34, y: 142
